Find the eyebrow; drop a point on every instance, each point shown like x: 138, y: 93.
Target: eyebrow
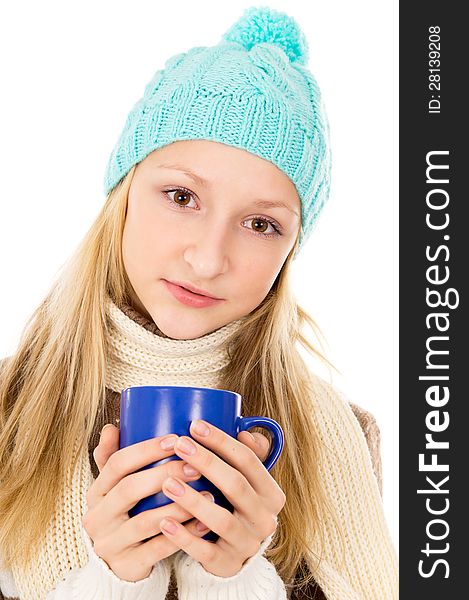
x: 204, y: 183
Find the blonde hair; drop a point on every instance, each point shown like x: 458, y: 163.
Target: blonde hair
x: 53, y: 390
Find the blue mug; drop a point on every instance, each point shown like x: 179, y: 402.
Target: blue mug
x: 153, y: 411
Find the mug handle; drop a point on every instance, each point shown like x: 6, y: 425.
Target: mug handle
x: 277, y: 436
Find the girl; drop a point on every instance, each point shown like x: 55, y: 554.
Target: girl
x: 214, y: 185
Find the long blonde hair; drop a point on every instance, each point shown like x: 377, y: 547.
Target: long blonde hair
x: 52, y: 390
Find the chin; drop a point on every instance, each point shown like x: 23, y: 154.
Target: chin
x: 184, y: 329
x: 185, y: 334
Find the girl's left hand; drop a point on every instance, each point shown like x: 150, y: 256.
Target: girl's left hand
x: 255, y: 495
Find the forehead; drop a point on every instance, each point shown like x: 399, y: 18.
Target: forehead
x: 209, y: 163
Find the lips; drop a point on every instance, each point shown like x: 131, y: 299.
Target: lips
x: 188, y: 297
x: 194, y: 290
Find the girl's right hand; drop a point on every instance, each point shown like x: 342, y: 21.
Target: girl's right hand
x: 117, y: 538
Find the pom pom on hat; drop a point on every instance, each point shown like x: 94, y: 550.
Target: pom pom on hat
x: 266, y: 25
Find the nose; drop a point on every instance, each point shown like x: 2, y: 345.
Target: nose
x: 207, y: 250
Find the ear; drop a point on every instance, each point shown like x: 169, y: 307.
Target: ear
x: 260, y: 445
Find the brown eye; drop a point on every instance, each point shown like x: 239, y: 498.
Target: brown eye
x: 262, y: 228
x: 179, y: 196
x: 182, y: 197
x: 261, y: 224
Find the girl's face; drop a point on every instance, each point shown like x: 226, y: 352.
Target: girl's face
x: 198, y: 213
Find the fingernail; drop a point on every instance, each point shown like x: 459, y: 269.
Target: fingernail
x: 200, y: 428
x: 168, y: 526
x: 107, y: 425
x: 185, y: 445
x: 174, y: 487
x: 168, y: 443
x: 190, y: 471
x: 209, y: 496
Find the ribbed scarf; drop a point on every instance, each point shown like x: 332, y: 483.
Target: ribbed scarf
x: 139, y: 357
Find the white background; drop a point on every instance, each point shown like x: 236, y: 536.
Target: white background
x: 72, y: 72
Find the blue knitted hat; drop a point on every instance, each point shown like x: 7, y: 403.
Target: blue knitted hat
x: 252, y: 91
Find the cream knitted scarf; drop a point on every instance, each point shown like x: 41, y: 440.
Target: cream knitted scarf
x: 136, y: 356
x: 140, y: 357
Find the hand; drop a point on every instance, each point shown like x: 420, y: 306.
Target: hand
x: 117, y: 538
x: 255, y: 495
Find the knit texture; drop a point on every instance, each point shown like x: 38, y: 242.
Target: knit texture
x: 257, y: 580
x: 369, y: 570
x: 138, y: 357
x: 63, y: 549
x: 252, y: 91
x: 96, y: 581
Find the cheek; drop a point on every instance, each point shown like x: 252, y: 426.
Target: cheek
x: 144, y: 244
x: 257, y: 276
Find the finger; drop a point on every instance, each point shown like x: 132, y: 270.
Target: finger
x: 228, y: 526
x: 108, y: 444
x: 233, y: 454
x: 244, y: 542
x: 160, y: 546
x: 126, y: 461
x: 258, y: 443
x: 147, y: 524
x: 184, y: 539
x: 132, y: 488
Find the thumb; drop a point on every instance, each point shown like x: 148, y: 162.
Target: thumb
x: 108, y: 444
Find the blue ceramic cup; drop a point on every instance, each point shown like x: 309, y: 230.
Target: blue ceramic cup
x: 153, y: 411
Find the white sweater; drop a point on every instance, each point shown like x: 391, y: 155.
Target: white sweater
x: 96, y: 581
x: 68, y: 568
